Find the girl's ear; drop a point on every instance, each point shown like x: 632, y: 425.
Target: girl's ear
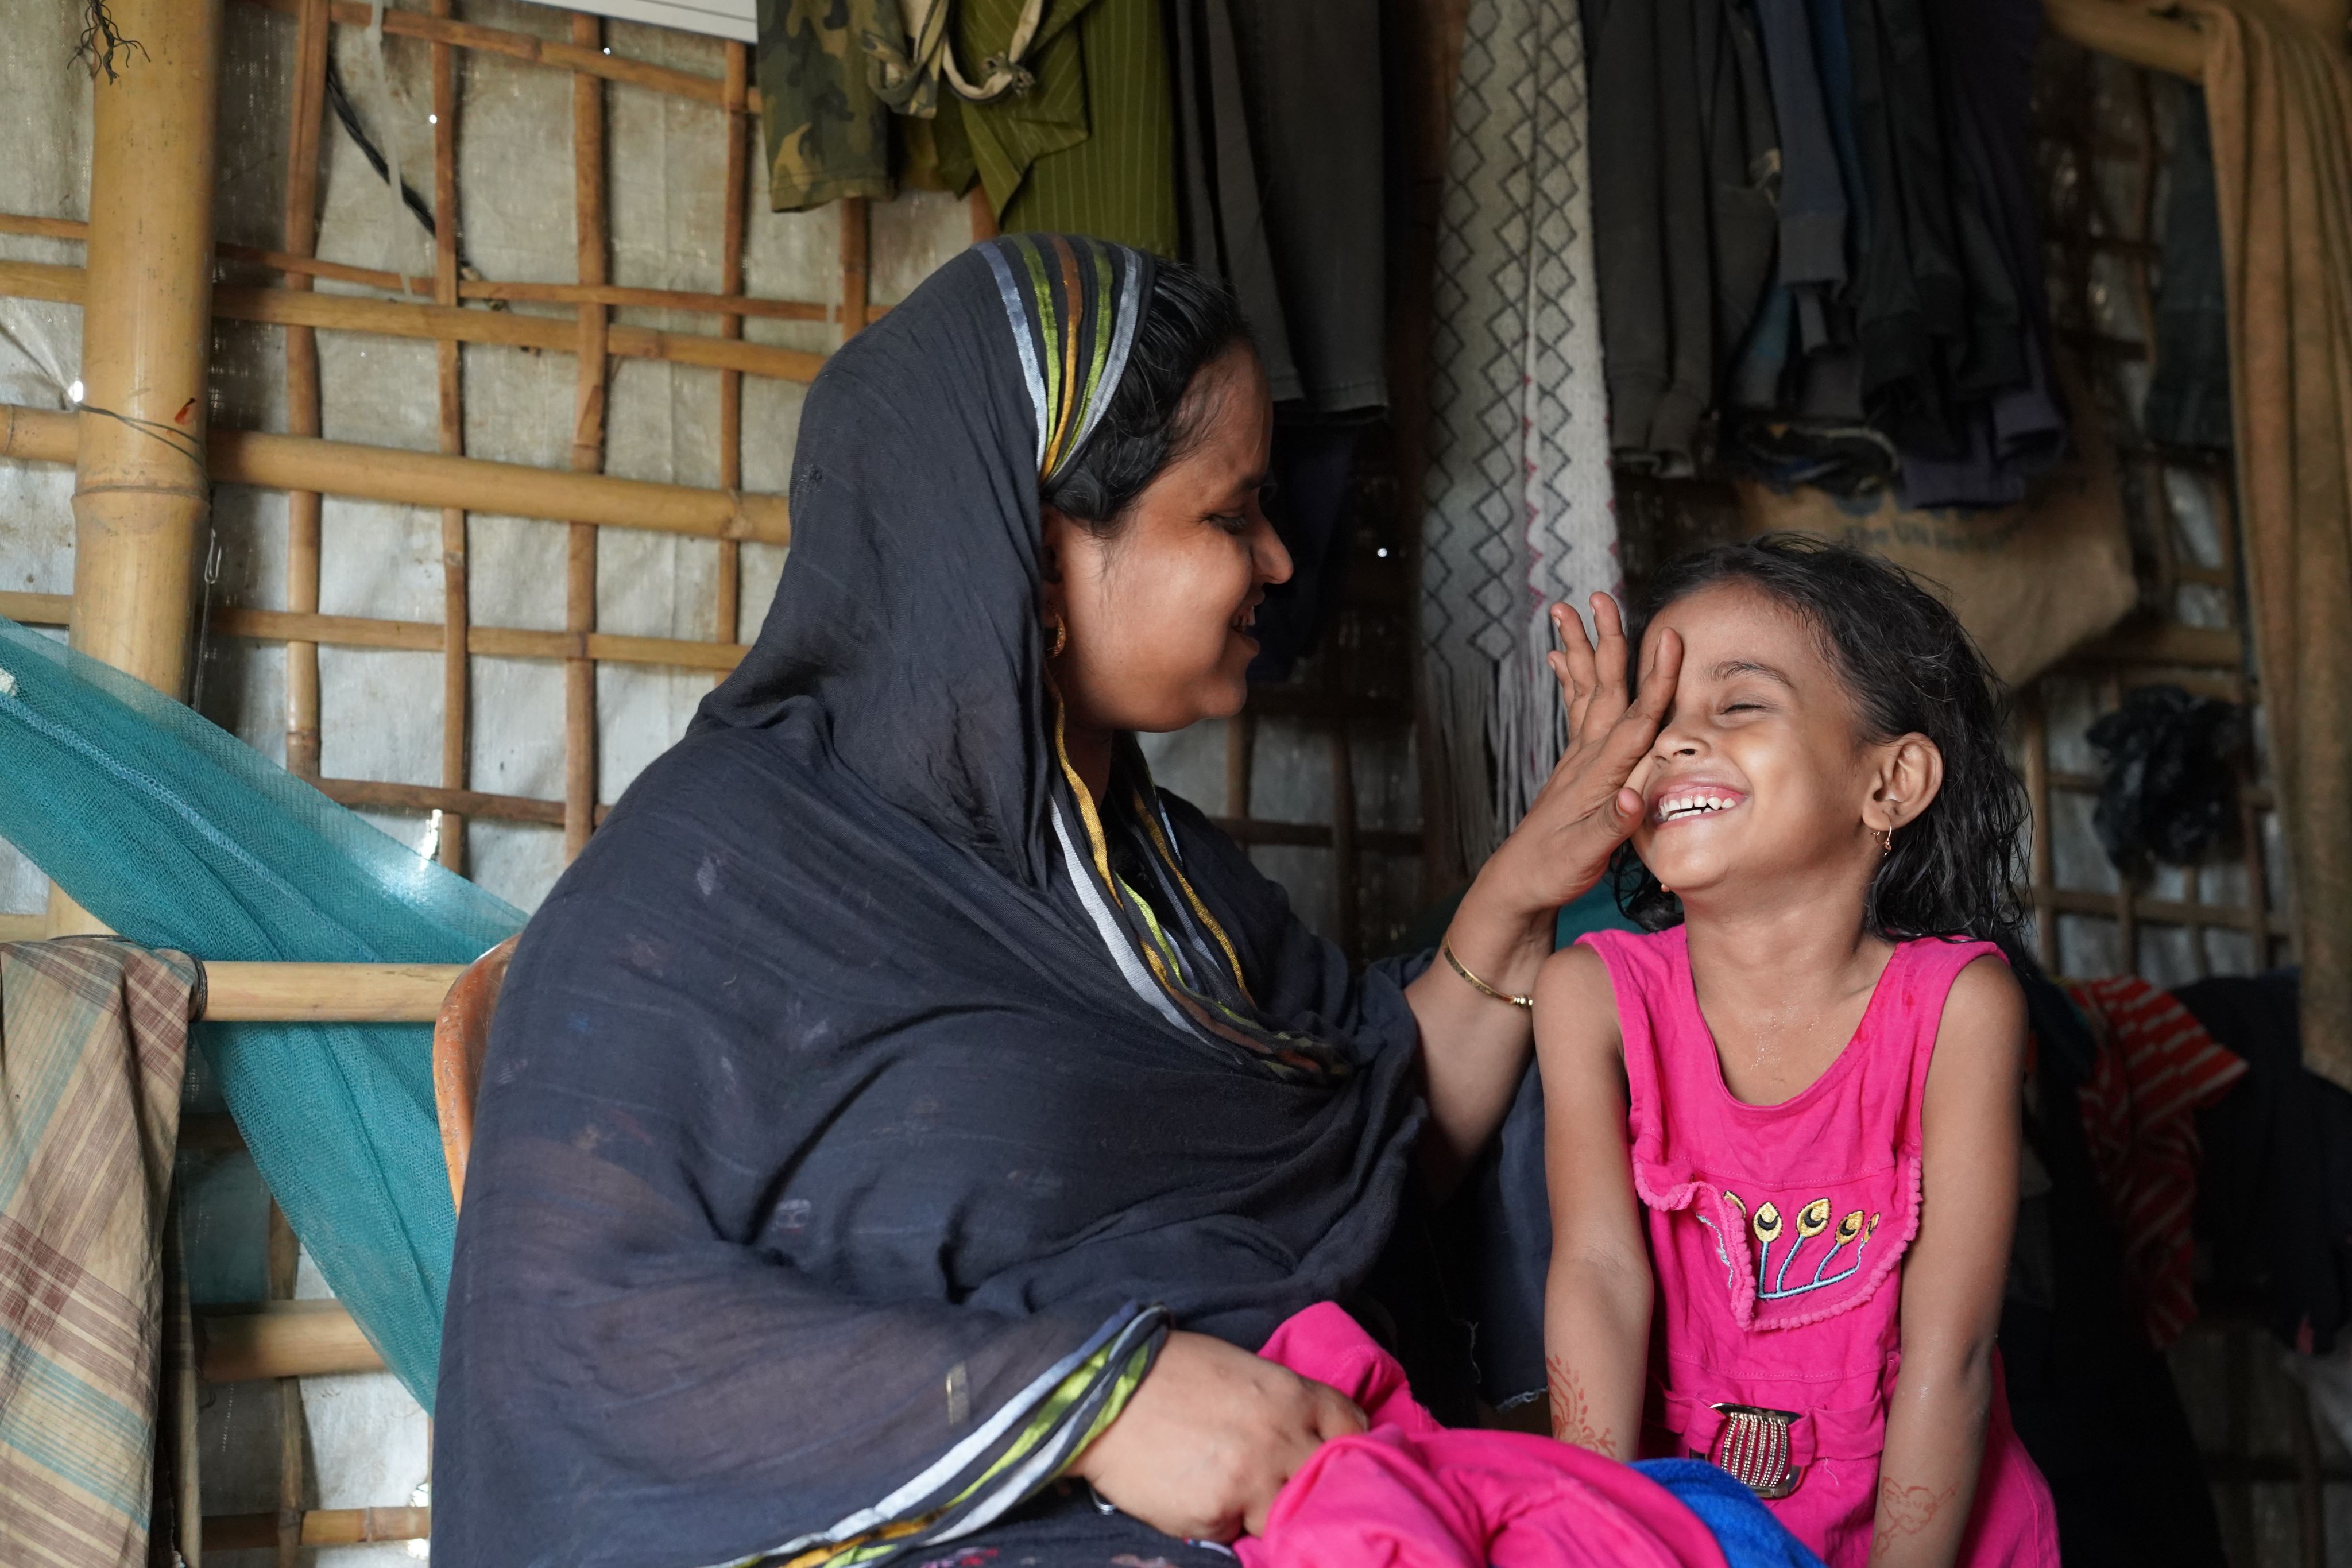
x: 1910, y: 773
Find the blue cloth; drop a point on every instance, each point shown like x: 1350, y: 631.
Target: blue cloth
x: 1750, y: 1536
x: 176, y: 835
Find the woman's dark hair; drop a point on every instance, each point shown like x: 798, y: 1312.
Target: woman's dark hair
x: 1911, y: 667
x: 1190, y: 319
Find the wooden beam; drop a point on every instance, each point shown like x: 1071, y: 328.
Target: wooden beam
x: 730, y: 301
x: 37, y: 608
x: 300, y: 308
x: 326, y: 993
x: 370, y: 794
x: 530, y: 48
x: 139, y: 497
x: 485, y: 642
x: 318, y: 1527
x: 430, y: 479
x: 281, y: 1339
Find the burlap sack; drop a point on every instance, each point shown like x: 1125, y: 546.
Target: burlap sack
x: 2031, y: 582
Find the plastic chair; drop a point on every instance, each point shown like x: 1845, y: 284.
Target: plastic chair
x: 461, y: 1035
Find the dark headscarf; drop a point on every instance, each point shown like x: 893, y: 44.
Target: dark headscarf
x: 863, y: 1106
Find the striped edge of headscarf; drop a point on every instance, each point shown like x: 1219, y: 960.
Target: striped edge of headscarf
x: 1073, y: 303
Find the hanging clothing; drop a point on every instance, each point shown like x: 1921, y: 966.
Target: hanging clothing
x: 2075, y: 1364
x: 1310, y: 76
x: 2279, y: 96
x: 1090, y: 149
x: 1520, y: 502
x: 93, y: 1044
x: 1281, y: 140
x: 1409, y: 1493
x: 2275, y: 1188
x: 2155, y: 1065
x: 1313, y: 463
x: 1685, y: 169
x: 865, y: 1102
x: 1226, y: 221
x: 2188, y: 401
x: 826, y: 131
x: 1777, y: 1235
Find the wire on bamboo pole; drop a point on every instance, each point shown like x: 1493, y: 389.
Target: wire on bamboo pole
x: 302, y: 412
x: 399, y: 318
x: 587, y: 442
x: 487, y: 288
x: 457, y: 685
x: 728, y: 617
x: 429, y: 479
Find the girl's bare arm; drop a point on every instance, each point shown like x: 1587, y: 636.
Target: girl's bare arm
x: 1597, y: 1299
x: 1953, y: 1278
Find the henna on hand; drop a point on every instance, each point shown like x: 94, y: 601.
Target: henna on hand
x: 1904, y: 1512
x: 1571, y: 1412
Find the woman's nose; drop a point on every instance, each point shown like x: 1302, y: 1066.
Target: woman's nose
x: 1273, y: 563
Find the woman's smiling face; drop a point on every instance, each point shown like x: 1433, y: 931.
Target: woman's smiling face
x: 1159, y: 611
x: 1760, y: 773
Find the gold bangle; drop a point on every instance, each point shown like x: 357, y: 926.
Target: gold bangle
x: 1478, y: 984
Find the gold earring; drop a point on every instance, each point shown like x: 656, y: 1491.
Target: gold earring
x: 1061, y: 639
x: 1885, y: 841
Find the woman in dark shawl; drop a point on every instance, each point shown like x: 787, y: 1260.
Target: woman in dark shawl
x: 902, y: 1105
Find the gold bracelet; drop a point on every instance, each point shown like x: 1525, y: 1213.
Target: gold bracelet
x: 1478, y: 984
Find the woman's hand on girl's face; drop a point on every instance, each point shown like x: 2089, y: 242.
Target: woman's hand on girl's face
x: 1209, y: 1437
x: 1585, y: 810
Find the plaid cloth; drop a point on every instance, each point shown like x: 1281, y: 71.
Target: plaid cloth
x: 2155, y: 1065
x: 93, y: 1038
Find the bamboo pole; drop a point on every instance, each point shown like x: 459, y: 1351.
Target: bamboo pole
x: 856, y: 272
x: 457, y: 685
x: 326, y: 993
x: 140, y: 498
x: 255, y: 1340
x: 302, y: 414
x: 484, y: 641
x: 37, y: 608
x: 587, y: 442
x: 532, y: 49
x: 399, y: 318
x: 726, y: 619
x: 721, y: 304
x: 285, y: 1265
x: 319, y: 1527
x: 374, y: 795
x: 429, y: 479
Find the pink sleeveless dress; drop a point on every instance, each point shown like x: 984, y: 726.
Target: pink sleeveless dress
x: 1777, y: 1235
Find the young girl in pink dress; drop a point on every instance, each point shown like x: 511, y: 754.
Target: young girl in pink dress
x: 1783, y: 1124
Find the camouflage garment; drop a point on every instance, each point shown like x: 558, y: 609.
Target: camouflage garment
x: 828, y: 135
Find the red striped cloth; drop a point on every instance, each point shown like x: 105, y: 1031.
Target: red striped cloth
x: 2155, y: 1065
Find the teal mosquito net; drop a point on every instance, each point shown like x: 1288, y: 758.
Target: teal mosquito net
x: 177, y: 834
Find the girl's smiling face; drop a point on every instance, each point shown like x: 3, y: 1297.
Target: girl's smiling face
x: 1761, y: 773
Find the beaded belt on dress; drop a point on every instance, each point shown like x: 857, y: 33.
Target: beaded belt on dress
x: 1753, y: 1448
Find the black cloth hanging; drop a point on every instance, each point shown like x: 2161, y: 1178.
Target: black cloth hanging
x: 2096, y: 1407
x: 2275, y: 1191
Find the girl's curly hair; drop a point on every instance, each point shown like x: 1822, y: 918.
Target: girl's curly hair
x: 1910, y: 666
